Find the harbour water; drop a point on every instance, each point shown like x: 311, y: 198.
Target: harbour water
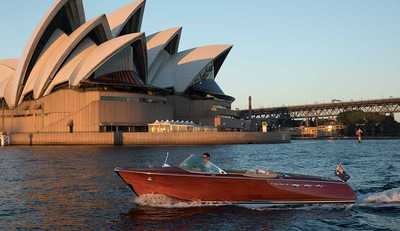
x: 74, y: 188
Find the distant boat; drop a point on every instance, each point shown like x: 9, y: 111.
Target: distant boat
x: 192, y: 182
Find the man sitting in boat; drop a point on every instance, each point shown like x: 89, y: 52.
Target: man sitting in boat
x: 207, y: 167
x: 341, y: 173
x: 196, y: 164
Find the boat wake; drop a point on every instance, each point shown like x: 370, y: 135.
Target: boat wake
x: 162, y: 201
x: 387, y: 197
x: 380, y: 199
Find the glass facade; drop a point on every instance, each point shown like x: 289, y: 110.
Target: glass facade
x: 206, y: 74
x: 132, y: 99
x: 204, y: 85
x: 177, y: 126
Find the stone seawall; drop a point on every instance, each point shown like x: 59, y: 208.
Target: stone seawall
x: 186, y: 138
x: 204, y: 138
x: 62, y: 139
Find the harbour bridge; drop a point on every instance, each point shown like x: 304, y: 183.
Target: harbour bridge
x: 322, y: 110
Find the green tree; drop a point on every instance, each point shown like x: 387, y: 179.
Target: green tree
x: 372, y: 123
x: 352, y: 118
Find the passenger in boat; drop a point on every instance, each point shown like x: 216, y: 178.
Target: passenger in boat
x: 206, y: 157
x: 201, y: 163
x: 341, y: 173
x: 207, y: 166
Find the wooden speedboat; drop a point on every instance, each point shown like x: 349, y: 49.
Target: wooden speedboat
x: 192, y: 182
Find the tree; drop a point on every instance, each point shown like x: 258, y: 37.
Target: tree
x: 372, y: 123
x: 352, y: 117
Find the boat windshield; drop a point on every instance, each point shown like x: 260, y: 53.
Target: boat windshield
x: 195, y: 163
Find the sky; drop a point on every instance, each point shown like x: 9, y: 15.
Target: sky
x: 285, y: 52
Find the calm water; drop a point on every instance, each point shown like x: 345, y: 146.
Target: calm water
x: 74, y: 188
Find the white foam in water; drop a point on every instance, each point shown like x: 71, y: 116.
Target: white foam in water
x: 162, y: 201
x: 266, y: 207
x: 385, y: 197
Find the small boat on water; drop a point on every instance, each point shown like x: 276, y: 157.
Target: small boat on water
x: 196, y: 179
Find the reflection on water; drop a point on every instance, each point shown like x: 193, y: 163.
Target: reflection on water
x: 221, y: 218
x: 74, y: 188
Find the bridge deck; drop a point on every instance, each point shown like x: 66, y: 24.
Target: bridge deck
x: 391, y: 105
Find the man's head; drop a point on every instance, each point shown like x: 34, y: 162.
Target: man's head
x: 206, y: 156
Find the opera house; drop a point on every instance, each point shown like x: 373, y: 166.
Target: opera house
x: 103, y: 74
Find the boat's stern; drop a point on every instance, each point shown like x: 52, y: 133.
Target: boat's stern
x: 336, y: 192
x: 348, y: 193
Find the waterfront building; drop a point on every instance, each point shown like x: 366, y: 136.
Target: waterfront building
x: 178, y: 126
x: 329, y: 130
x: 103, y: 75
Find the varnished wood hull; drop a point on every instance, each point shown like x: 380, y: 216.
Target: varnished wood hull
x: 237, y: 188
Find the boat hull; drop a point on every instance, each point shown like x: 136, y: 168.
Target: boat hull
x: 237, y: 189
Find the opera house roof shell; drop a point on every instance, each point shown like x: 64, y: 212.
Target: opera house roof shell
x: 68, y: 51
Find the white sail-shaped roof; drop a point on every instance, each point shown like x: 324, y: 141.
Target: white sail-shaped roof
x: 103, y: 53
x: 55, y: 42
x: 71, y: 65
x: 127, y: 19
x: 65, y: 51
x: 6, y: 73
x: 182, y: 68
x: 66, y: 15
x: 160, y: 46
x: 160, y: 40
x: 100, y: 30
x: 11, y: 63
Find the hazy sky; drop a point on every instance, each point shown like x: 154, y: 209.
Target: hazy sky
x: 285, y: 52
